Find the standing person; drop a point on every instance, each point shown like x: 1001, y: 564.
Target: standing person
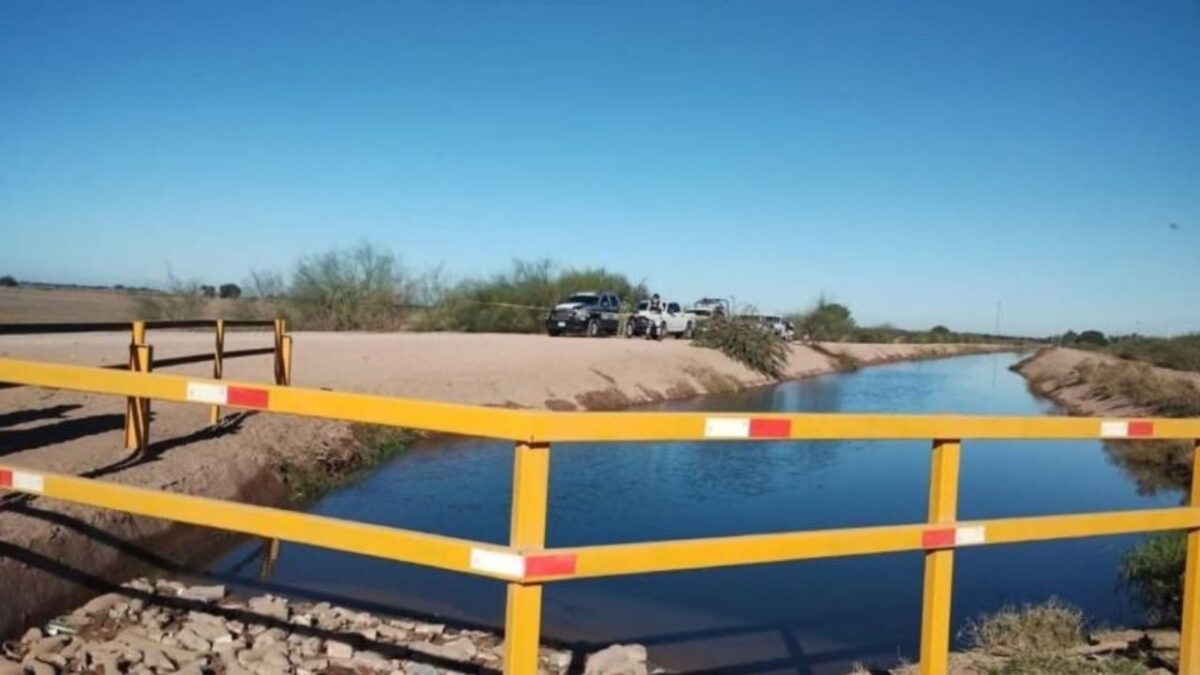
x: 656, y: 304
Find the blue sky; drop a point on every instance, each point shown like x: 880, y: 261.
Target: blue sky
x: 919, y: 161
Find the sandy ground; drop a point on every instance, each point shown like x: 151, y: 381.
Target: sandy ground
x: 1050, y: 373
x: 54, y: 555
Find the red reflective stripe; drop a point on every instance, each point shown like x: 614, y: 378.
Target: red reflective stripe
x: 769, y: 428
x: 937, y: 538
x: 1141, y: 428
x: 5, y: 478
x: 549, y: 565
x: 248, y: 398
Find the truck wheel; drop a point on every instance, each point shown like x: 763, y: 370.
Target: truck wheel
x: 630, y: 331
x: 554, y: 333
x: 593, y: 328
x: 662, y: 331
x: 687, y: 332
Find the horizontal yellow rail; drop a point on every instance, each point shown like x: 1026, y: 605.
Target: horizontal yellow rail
x: 633, y: 426
x: 686, y: 554
x: 559, y: 564
x: 441, y: 417
x: 545, y: 426
x: 342, y: 535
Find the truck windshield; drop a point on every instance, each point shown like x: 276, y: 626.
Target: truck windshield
x: 583, y: 299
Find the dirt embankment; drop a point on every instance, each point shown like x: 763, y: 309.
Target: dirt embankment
x: 1055, y: 373
x: 54, y: 555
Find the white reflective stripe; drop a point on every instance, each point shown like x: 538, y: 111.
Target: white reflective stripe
x: 1114, y: 429
x: 496, y: 562
x: 727, y: 427
x: 207, y: 393
x: 28, y: 482
x: 966, y: 536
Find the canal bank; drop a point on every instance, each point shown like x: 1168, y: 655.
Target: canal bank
x: 54, y: 556
x: 818, y: 617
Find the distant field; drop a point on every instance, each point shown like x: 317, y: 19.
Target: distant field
x: 36, y: 305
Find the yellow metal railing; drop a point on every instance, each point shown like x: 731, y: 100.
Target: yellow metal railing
x: 141, y: 357
x: 526, y: 564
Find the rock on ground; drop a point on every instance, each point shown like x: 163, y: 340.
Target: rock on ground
x: 155, y: 628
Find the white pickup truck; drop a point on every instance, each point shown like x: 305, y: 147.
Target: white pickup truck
x: 656, y: 325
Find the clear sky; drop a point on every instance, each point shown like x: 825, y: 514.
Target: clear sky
x: 919, y: 161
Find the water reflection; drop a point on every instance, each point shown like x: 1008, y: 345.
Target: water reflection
x: 797, y: 617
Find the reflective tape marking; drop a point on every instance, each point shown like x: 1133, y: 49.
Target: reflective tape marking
x: 937, y: 538
x: 727, y: 427
x: 1126, y: 429
x: 550, y: 565
x: 770, y: 428
x: 1141, y: 428
x: 951, y: 537
x: 20, y: 480
x: 249, y: 398
x: 207, y: 393
x: 496, y: 562
x: 970, y: 536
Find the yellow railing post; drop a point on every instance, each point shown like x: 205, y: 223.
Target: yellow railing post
x: 523, y: 616
x: 143, y: 358
x: 939, y: 564
x: 280, y: 329
x: 1189, y: 639
x: 214, y: 413
x: 287, y: 358
x: 137, y: 336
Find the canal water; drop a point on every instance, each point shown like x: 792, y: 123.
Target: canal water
x: 806, y: 617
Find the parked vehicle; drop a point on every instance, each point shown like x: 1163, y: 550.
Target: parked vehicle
x: 672, y: 320
x: 771, y: 322
x: 780, y: 326
x: 592, y: 314
x: 706, y: 308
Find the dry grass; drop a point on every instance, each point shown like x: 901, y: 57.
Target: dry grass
x: 1038, y: 640
x: 1051, y: 626
x: 1140, y: 385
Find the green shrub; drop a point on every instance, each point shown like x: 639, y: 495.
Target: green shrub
x: 826, y: 322
x: 1153, y: 571
x: 747, y: 342
x: 9, y: 281
x: 517, y: 301
x: 354, y: 289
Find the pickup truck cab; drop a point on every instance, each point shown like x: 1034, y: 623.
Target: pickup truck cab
x: 672, y: 320
x: 592, y: 314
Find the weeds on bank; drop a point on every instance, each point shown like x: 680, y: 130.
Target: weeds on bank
x: 1179, y: 353
x: 1051, y: 626
x: 746, y: 342
x: 841, y: 360
x: 1039, y: 639
x: 369, y: 446
x: 1141, y: 386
